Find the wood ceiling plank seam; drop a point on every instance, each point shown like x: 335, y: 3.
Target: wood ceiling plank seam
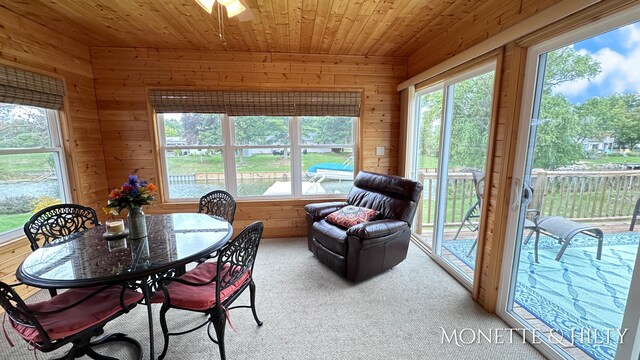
x: 280, y: 14
x: 395, y: 32
x: 268, y: 22
x: 308, y: 16
x: 401, y: 37
x: 428, y: 31
x: 346, y: 25
x: 175, y: 24
x: 13, y: 23
x: 366, y: 10
x: 338, y: 9
x: 379, y: 12
x: 479, y: 18
x: 136, y: 34
x: 384, y: 28
x: 295, y: 25
x: 251, y: 30
x: 323, y: 13
x: 202, y: 24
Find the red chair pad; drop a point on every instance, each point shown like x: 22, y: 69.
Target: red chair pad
x: 79, y: 317
x: 198, y: 297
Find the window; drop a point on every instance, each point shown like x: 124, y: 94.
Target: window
x: 32, y: 171
x: 256, y: 156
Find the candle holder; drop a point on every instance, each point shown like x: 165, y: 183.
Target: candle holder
x: 115, y: 230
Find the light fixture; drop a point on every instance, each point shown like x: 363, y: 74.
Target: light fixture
x: 234, y: 8
x: 206, y: 4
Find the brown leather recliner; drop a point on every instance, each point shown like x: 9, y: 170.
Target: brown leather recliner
x: 366, y: 249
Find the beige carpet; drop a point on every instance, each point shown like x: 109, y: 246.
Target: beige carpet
x: 311, y: 313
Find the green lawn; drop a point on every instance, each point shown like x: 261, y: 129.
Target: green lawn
x: 255, y: 163
x: 13, y: 221
x: 614, y: 160
x: 12, y: 166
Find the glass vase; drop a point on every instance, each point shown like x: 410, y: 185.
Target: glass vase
x: 137, y: 224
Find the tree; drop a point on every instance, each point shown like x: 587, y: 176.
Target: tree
x: 559, y: 137
x: 327, y: 130
x: 23, y: 127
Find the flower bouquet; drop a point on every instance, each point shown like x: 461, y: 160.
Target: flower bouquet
x: 132, y: 196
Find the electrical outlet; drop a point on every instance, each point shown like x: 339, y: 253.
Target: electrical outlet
x: 380, y: 150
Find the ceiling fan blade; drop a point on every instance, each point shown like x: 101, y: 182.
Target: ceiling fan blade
x: 247, y: 14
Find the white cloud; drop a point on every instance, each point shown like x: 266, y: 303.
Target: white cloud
x: 632, y: 35
x: 620, y: 71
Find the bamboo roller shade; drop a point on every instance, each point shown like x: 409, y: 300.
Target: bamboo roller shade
x: 254, y: 103
x: 28, y: 88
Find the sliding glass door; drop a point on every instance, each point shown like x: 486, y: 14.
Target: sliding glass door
x: 570, y: 268
x: 451, y: 132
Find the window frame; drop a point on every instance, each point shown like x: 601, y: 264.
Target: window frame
x: 56, y: 147
x: 228, y: 149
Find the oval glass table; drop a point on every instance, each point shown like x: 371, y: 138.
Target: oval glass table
x: 87, y: 259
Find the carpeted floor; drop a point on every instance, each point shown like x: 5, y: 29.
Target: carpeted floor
x: 578, y: 295
x: 311, y: 313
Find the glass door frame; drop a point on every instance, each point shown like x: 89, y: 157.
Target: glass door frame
x: 630, y: 349
x: 443, y: 157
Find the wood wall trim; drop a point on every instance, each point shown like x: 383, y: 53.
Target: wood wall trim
x: 123, y: 77
x: 526, y: 26
x: 480, y: 272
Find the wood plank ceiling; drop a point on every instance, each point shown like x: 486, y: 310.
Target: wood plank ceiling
x: 345, y: 27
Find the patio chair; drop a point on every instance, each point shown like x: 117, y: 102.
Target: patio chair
x: 563, y: 230
x: 634, y: 217
x: 471, y: 218
x: 212, y: 287
x: 73, y: 317
x: 53, y: 222
x: 218, y: 203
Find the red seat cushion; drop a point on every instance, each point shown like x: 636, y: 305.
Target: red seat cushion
x: 350, y: 216
x: 79, y: 317
x: 198, y: 297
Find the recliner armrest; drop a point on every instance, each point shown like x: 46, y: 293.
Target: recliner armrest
x: 321, y: 210
x: 377, y: 228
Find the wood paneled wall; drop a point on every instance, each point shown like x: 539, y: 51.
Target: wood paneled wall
x: 28, y: 45
x: 503, y: 155
x: 123, y: 76
x: 479, y: 25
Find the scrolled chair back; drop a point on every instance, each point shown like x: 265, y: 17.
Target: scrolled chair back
x: 218, y: 203
x: 236, y: 259
x: 57, y: 221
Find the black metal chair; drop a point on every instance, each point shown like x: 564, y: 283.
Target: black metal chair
x: 54, y: 222
x: 75, y: 316
x: 471, y: 218
x: 211, y: 287
x: 634, y: 217
x: 218, y: 203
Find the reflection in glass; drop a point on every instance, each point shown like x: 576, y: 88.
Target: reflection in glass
x: 327, y: 130
x: 428, y: 151
x: 191, y: 129
x: 23, y: 127
x: 194, y: 172
x: 261, y: 130
x: 263, y: 171
x: 28, y: 183
x: 327, y: 171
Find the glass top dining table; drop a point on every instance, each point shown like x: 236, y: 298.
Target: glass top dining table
x: 87, y: 259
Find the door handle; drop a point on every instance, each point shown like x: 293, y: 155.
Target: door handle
x: 517, y: 194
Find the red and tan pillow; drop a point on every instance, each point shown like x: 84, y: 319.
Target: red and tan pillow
x: 351, y: 215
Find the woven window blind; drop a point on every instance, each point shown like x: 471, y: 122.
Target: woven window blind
x: 255, y: 103
x: 28, y: 88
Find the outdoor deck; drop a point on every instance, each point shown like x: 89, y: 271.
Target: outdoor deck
x: 608, y: 227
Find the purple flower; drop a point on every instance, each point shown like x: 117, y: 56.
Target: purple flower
x: 133, y: 181
x: 143, y: 183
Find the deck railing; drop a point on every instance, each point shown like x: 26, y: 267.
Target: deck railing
x: 578, y: 195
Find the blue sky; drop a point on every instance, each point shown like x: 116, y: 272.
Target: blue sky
x: 618, y: 52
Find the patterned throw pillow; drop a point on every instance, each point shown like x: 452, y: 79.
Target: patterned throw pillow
x: 351, y: 215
